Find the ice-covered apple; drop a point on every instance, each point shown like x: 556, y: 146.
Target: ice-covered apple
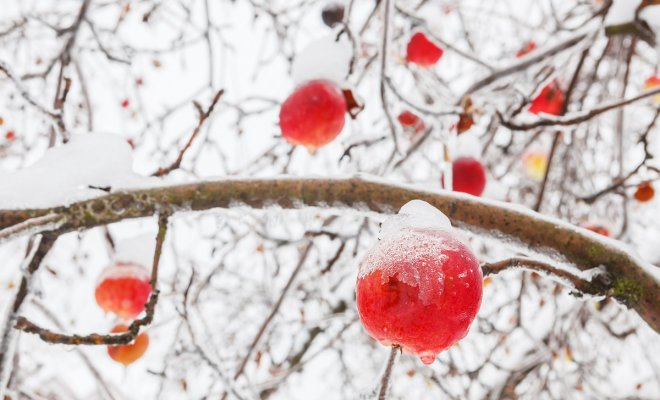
x: 128, y: 353
x: 535, y: 163
x: 313, y: 115
x: 123, y: 289
x: 420, y: 286
x: 644, y: 192
x: 468, y: 176
x: 422, y: 51
x: 549, y: 101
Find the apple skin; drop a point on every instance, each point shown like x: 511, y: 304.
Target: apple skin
x: 123, y: 289
x: 313, y: 115
x: 468, y: 176
x: 127, y: 354
x: 423, y: 52
x: 411, y: 123
x: 599, y: 229
x: 644, y: 192
x: 419, y: 289
x: 549, y: 101
x: 527, y: 48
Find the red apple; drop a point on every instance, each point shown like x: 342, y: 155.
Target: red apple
x: 128, y: 353
x: 599, y: 229
x: 644, y: 192
x: 411, y: 123
x: 10, y: 135
x: 527, y: 48
x: 550, y: 100
x: 422, y: 51
x: 123, y: 289
x: 313, y: 115
x: 468, y: 176
x: 419, y: 288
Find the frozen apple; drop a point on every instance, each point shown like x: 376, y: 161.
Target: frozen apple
x: 526, y: 49
x: 652, y: 82
x: 422, y: 51
x: 313, y: 115
x: 535, y: 163
x: 123, y: 289
x: 411, y: 123
x: 549, y: 101
x: 597, y: 228
x: 468, y: 176
x: 420, y: 286
x: 332, y: 14
x: 128, y: 353
x: 644, y: 192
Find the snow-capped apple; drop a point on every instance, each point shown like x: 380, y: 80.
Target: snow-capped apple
x: 411, y: 123
x: 422, y: 51
x: 535, y: 163
x: 420, y: 286
x: 549, y: 101
x: 468, y: 176
x: 597, y: 228
x: 123, y: 289
x: 644, y: 192
x: 526, y: 49
x: 128, y: 353
x: 332, y: 14
x: 313, y: 115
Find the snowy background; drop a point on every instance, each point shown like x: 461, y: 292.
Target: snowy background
x: 137, y: 67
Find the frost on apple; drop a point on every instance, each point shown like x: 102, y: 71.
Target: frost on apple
x: 328, y: 58
x: 123, y: 289
x: 420, y: 286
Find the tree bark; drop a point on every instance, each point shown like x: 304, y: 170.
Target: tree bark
x: 626, y: 278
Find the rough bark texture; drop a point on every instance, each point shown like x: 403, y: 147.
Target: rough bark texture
x: 626, y: 279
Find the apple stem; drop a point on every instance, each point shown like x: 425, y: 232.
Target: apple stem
x: 385, y: 380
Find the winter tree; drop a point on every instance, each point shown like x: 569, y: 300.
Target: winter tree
x: 314, y: 199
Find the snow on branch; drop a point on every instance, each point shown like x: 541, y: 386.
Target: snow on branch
x: 630, y: 280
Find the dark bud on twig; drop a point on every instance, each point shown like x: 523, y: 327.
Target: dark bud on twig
x: 332, y: 14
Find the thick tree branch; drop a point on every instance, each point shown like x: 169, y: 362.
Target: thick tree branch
x: 633, y: 281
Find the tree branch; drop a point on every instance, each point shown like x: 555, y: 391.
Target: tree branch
x: 634, y: 283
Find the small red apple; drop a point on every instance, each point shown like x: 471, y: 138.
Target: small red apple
x: 125, y: 103
x: 468, y: 176
x: 599, y: 229
x: 313, y: 115
x: 422, y: 51
x: 419, y: 288
x: 10, y: 135
x: 128, y: 353
x: 644, y: 192
x: 550, y: 100
x: 411, y: 123
x: 527, y: 48
x: 123, y: 289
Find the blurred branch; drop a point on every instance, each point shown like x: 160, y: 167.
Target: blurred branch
x: 35, y: 256
x: 577, y: 117
x: 203, y: 116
